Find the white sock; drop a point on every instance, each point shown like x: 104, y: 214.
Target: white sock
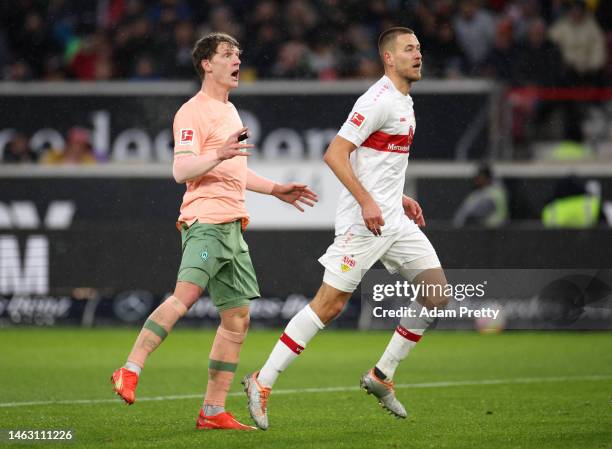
x: 212, y: 410
x: 132, y: 367
x: 300, y: 330
x: 405, y: 337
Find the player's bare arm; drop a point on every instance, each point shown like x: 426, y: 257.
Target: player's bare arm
x: 292, y: 192
x: 337, y: 157
x: 186, y: 168
x: 413, y: 210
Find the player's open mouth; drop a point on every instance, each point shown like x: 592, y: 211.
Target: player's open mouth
x: 417, y: 66
x: 236, y: 75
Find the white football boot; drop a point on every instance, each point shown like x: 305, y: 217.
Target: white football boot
x: 384, y: 392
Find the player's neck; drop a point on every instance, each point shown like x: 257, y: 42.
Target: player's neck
x: 400, y: 83
x: 215, y: 91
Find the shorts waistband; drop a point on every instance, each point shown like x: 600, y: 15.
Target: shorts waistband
x: 185, y: 226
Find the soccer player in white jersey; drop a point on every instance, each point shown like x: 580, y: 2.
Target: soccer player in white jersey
x: 374, y: 221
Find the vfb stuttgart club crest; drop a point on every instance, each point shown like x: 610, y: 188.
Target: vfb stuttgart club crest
x: 347, y: 263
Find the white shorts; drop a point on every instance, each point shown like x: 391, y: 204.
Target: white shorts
x: 350, y: 256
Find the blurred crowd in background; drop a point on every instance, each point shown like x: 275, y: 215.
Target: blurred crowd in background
x: 522, y: 42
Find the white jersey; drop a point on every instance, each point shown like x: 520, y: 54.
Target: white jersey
x: 382, y: 126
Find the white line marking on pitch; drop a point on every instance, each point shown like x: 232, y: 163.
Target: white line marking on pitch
x: 457, y: 383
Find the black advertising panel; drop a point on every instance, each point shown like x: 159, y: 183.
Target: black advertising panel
x: 132, y: 123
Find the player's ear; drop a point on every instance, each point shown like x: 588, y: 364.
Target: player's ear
x: 388, y: 58
x: 205, y: 63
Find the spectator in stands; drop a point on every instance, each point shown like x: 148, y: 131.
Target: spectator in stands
x: 357, y: 53
x: 263, y: 13
x: 424, y: 22
x: 222, y: 19
x: 300, y: 19
x: 19, y: 71
x: 170, y: 12
x: 487, y: 205
x: 78, y: 149
x: 323, y: 58
x: 261, y: 52
x: 263, y: 26
x: 18, y: 150
x: 376, y: 12
x: 368, y: 68
x: 521, y: 13
x: 33, y: 43
x: 475, y: 29
x: 582, y: 43
x: 604, y: 15
x: 332, y: 16
x: 134, y: 40
x: 536, y: 57
x: 128, y: 11
x: 444, y: 58
x: 176, y: 57
x: 63, y: 19
x: 145, y: 70
x: 293, y: 61
x: 4, y: 54
x: 362, y: 41
x: 54, y: 69
x: 501, y: 61
x: 94, y: 59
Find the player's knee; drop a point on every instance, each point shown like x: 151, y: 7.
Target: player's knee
x: 187, y: 293
x: 335, y: 309
x: 244, y: 321
x: 438, y: 301
x: 243, y: 324
x: 329, y: 309
x: 434, y: 293
x: 329, y: 302
x: 236, y: 319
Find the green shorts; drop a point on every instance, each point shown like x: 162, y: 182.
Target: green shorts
x: 215, y: 256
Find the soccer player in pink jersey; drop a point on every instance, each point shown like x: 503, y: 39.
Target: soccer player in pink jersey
x: 374, y: 221
x: 210, y: 156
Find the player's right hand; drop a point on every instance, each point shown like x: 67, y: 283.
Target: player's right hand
x: 372, y: 217
x: 232, y: 147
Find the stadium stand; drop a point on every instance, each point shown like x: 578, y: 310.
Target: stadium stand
x: 318, y: 39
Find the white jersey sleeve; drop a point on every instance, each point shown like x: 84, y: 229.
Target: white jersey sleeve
x: 367, y: 116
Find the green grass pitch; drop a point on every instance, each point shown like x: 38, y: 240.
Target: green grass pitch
x: 518, y: 390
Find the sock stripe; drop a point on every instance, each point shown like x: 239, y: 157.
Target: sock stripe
x: 155, y: 328
x: 407, y: 334
x: 220, y: 365
x: 291, y: 344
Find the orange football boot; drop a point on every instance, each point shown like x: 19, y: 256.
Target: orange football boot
x: 222, y: 421
x: 124, y: 384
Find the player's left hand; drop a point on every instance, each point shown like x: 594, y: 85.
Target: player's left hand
x: 294, y: 194
x: 413, y: 210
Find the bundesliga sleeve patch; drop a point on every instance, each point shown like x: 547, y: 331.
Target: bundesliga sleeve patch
x: 186, y: 136
x: 357, y: 119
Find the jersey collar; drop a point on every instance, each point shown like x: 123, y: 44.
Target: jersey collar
x: 386, y: 79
